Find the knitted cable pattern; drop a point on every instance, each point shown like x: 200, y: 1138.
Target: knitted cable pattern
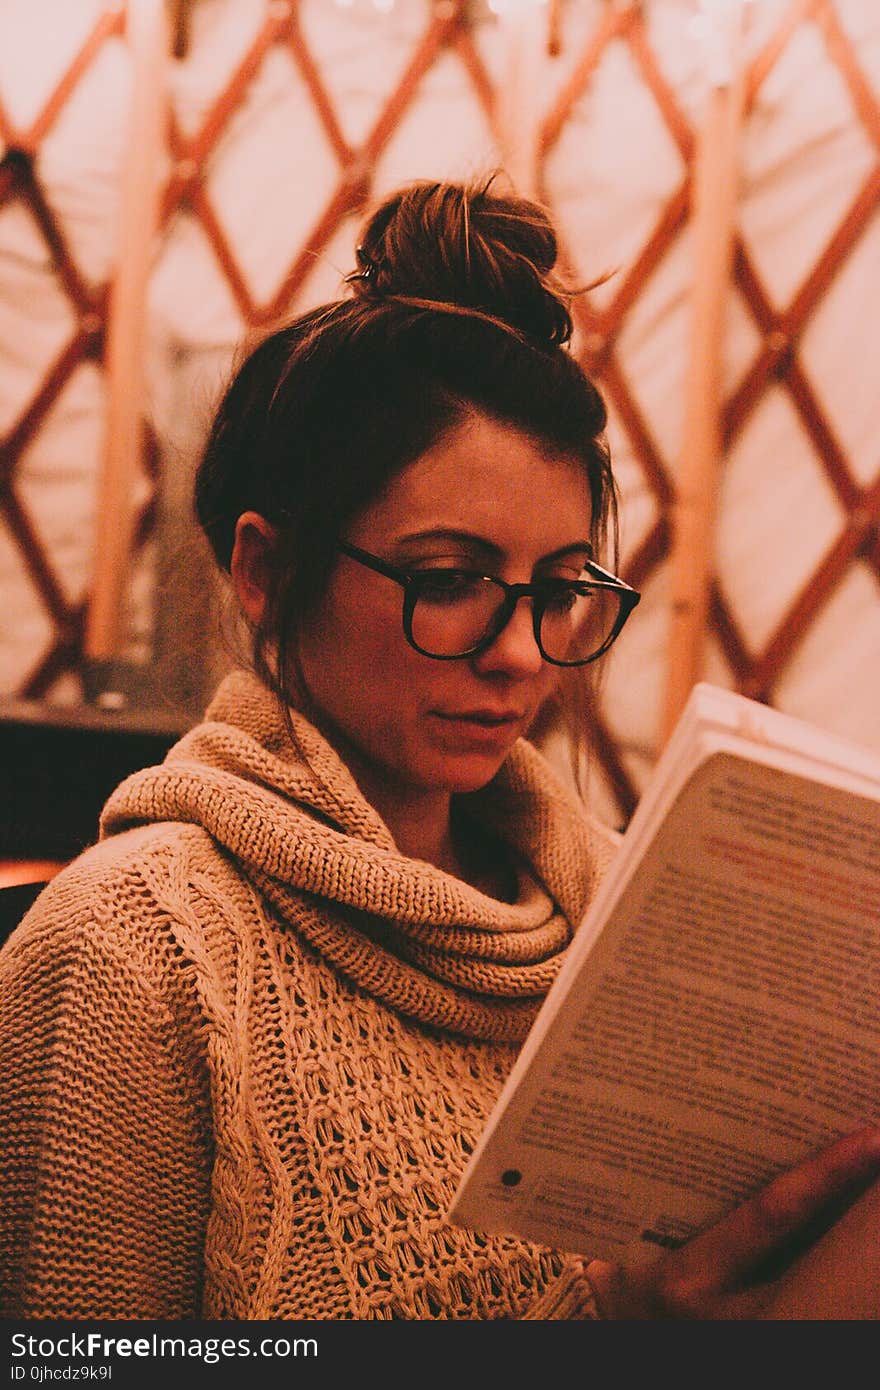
x: 247, y: 1046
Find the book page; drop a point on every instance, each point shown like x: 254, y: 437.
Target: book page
x: 725, y: 1023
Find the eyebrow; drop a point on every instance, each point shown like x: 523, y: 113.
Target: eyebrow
x: 489, y: 547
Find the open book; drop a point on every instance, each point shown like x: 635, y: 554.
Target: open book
x: 718, y: 1013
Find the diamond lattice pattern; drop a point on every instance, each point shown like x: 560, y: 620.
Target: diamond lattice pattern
x: 284, y: 119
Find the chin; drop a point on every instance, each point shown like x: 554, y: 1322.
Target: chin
x: 468, y: 774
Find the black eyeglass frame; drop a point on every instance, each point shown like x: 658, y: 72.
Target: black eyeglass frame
x: 540, y: 592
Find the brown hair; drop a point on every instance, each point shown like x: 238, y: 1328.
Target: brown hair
x: 453, y: 307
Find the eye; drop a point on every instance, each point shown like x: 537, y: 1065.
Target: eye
x: 448, y: 586
x: 560, y: 595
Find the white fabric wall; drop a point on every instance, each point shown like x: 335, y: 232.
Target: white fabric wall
x: 804, y: 155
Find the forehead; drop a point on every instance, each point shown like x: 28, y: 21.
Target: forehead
x: 490, y: 479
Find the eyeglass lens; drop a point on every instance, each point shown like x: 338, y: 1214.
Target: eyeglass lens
x: 453, y: 615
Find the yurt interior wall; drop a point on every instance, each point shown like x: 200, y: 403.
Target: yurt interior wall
x: 176, y: 177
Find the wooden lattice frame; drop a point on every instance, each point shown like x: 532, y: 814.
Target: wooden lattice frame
x: 447, y: 27
x: 19, y: 180
x: 776, y: 361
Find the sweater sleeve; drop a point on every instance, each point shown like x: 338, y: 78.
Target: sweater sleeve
x: 105, y: 1149
x: 569, y: 1297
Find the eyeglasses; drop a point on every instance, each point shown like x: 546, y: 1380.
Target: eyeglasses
x: 452, y: 613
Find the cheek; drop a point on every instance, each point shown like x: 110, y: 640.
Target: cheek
x: 358, y: 665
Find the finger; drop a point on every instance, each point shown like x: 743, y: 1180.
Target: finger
x: 729, y: 1251
x: 839, y: 1278
x: 691, y: 1282
x: 619, y: 1294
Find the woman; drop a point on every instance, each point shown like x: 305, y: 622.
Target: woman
x: 257, y: 1029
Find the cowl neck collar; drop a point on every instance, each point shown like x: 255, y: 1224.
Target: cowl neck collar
x: 295, y: 820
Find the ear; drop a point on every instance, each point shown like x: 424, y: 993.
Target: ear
x: 250, y: 566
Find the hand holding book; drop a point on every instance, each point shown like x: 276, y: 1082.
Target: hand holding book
x: 724, y: 1272
x: 715, y: 1026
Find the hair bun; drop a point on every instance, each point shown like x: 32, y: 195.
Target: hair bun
x: 460, y: 246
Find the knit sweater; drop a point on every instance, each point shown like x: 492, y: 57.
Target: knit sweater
x: 246, y: 1045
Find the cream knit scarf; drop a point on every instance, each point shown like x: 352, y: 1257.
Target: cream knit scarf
x: 425, y: 943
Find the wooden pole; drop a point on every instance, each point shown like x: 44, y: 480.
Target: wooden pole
x: 146, y: 29
x: 554, y: 28
x: 522, y: 23
x: 713, y: 222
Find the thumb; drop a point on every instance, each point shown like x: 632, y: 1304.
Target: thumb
x: 615, y: 1294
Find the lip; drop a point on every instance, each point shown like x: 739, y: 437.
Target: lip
x: 485, y: 718
x: 479, y: 731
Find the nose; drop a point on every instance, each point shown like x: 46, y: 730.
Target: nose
x: 514, y: 651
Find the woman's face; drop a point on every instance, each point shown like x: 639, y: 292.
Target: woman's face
x: 486, y: 498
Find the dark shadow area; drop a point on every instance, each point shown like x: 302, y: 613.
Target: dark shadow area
x: 58, y: 766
